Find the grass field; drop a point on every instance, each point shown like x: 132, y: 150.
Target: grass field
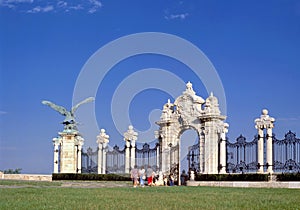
x: 50, y: 195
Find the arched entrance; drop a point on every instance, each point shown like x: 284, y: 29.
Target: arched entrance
x: 190, y: 111
x: 187, y: 139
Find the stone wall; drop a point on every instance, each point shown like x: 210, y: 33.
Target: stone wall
x: 28, y: 177
x: 245, y: 184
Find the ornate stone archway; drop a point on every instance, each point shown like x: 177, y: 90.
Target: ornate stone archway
x: 190, y: 111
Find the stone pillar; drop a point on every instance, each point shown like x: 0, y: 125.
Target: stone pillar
x: 100, y: 158
x: 164, y: 153
x: 211, y: 147
x: 202, y: 151
x: 127, y: 162
x: 269, y: 151
x: 132, y: 154
x: 129, y: 136
x: 223, y: 149
x: 102, y: 140
x: 265, y: 122
x: 79, y: 158
x: 260, y: 151
x: 157, y: 157
x: 104, y: 158
x: 56, y: 155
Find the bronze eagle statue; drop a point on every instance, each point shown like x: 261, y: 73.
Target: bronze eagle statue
x: 70, y: 115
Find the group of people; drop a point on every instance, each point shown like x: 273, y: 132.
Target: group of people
x: 139, y: 176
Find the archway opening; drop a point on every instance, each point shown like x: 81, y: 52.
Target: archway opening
x: 187, y: 139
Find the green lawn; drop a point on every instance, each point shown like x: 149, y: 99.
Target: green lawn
x: 39, y: 195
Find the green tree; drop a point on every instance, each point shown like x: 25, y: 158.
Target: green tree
x: 12, y: 171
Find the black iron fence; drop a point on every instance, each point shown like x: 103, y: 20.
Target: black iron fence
x: 89, y: 161
x: 115, y: 158
x: 147, y: 156
x: 241, y: 156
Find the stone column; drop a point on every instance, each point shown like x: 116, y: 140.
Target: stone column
x: 127, y: 157
x: 100, y: 158
x: 201, y: 152
x: 132, y: 154
x: 269, y: 150
x: 164, y: 153
x: 260, y: 151
x: 79, y: 158
x: 265, y: 122
x: 129, y: 136
x: 211, y: 164
x: 102, y: 140
x: 223, y: 149
x: 157, y: 157
x: 56, y: 149
x: 104, y: 158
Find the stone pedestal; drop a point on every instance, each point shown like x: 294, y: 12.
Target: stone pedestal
x: 192, y: 178
x: 69, y: 153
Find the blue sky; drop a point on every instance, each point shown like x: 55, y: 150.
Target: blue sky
x: 254, y: 46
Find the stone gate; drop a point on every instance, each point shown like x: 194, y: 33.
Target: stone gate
x: 190, y: 111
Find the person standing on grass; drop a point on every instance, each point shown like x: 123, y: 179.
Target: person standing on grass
x: 149, y: 174
x: 142, y: 176
x: 134, y: 174
x: 171, y: 180
x: 183, y: 177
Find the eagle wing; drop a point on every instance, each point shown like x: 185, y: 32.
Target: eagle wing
x: 87, y: 100
x: 60, y: 109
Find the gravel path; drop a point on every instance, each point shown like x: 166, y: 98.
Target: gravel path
x: 65, y: 184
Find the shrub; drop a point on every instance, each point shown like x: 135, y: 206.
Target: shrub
x: 232, y: 177
x: 288, y: 177
x: 91, y: 177
x: 12, y: 171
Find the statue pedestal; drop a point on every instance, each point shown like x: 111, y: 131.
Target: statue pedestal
x: 70, y: 152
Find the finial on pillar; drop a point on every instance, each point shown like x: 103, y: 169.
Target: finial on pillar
x: 189, y: 85
x: 264, y: 112
x: 130, y: 134
x: 265, y: 121
x: 102, y: 138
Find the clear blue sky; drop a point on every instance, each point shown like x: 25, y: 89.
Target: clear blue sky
x: 254, y: 46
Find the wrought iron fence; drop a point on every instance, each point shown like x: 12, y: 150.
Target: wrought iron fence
x: 147, y: 156
x: 193, y: 158
x: 241, y: 156
x: 115, y: 160
x: 286, y: 153
x: 89, y: 162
